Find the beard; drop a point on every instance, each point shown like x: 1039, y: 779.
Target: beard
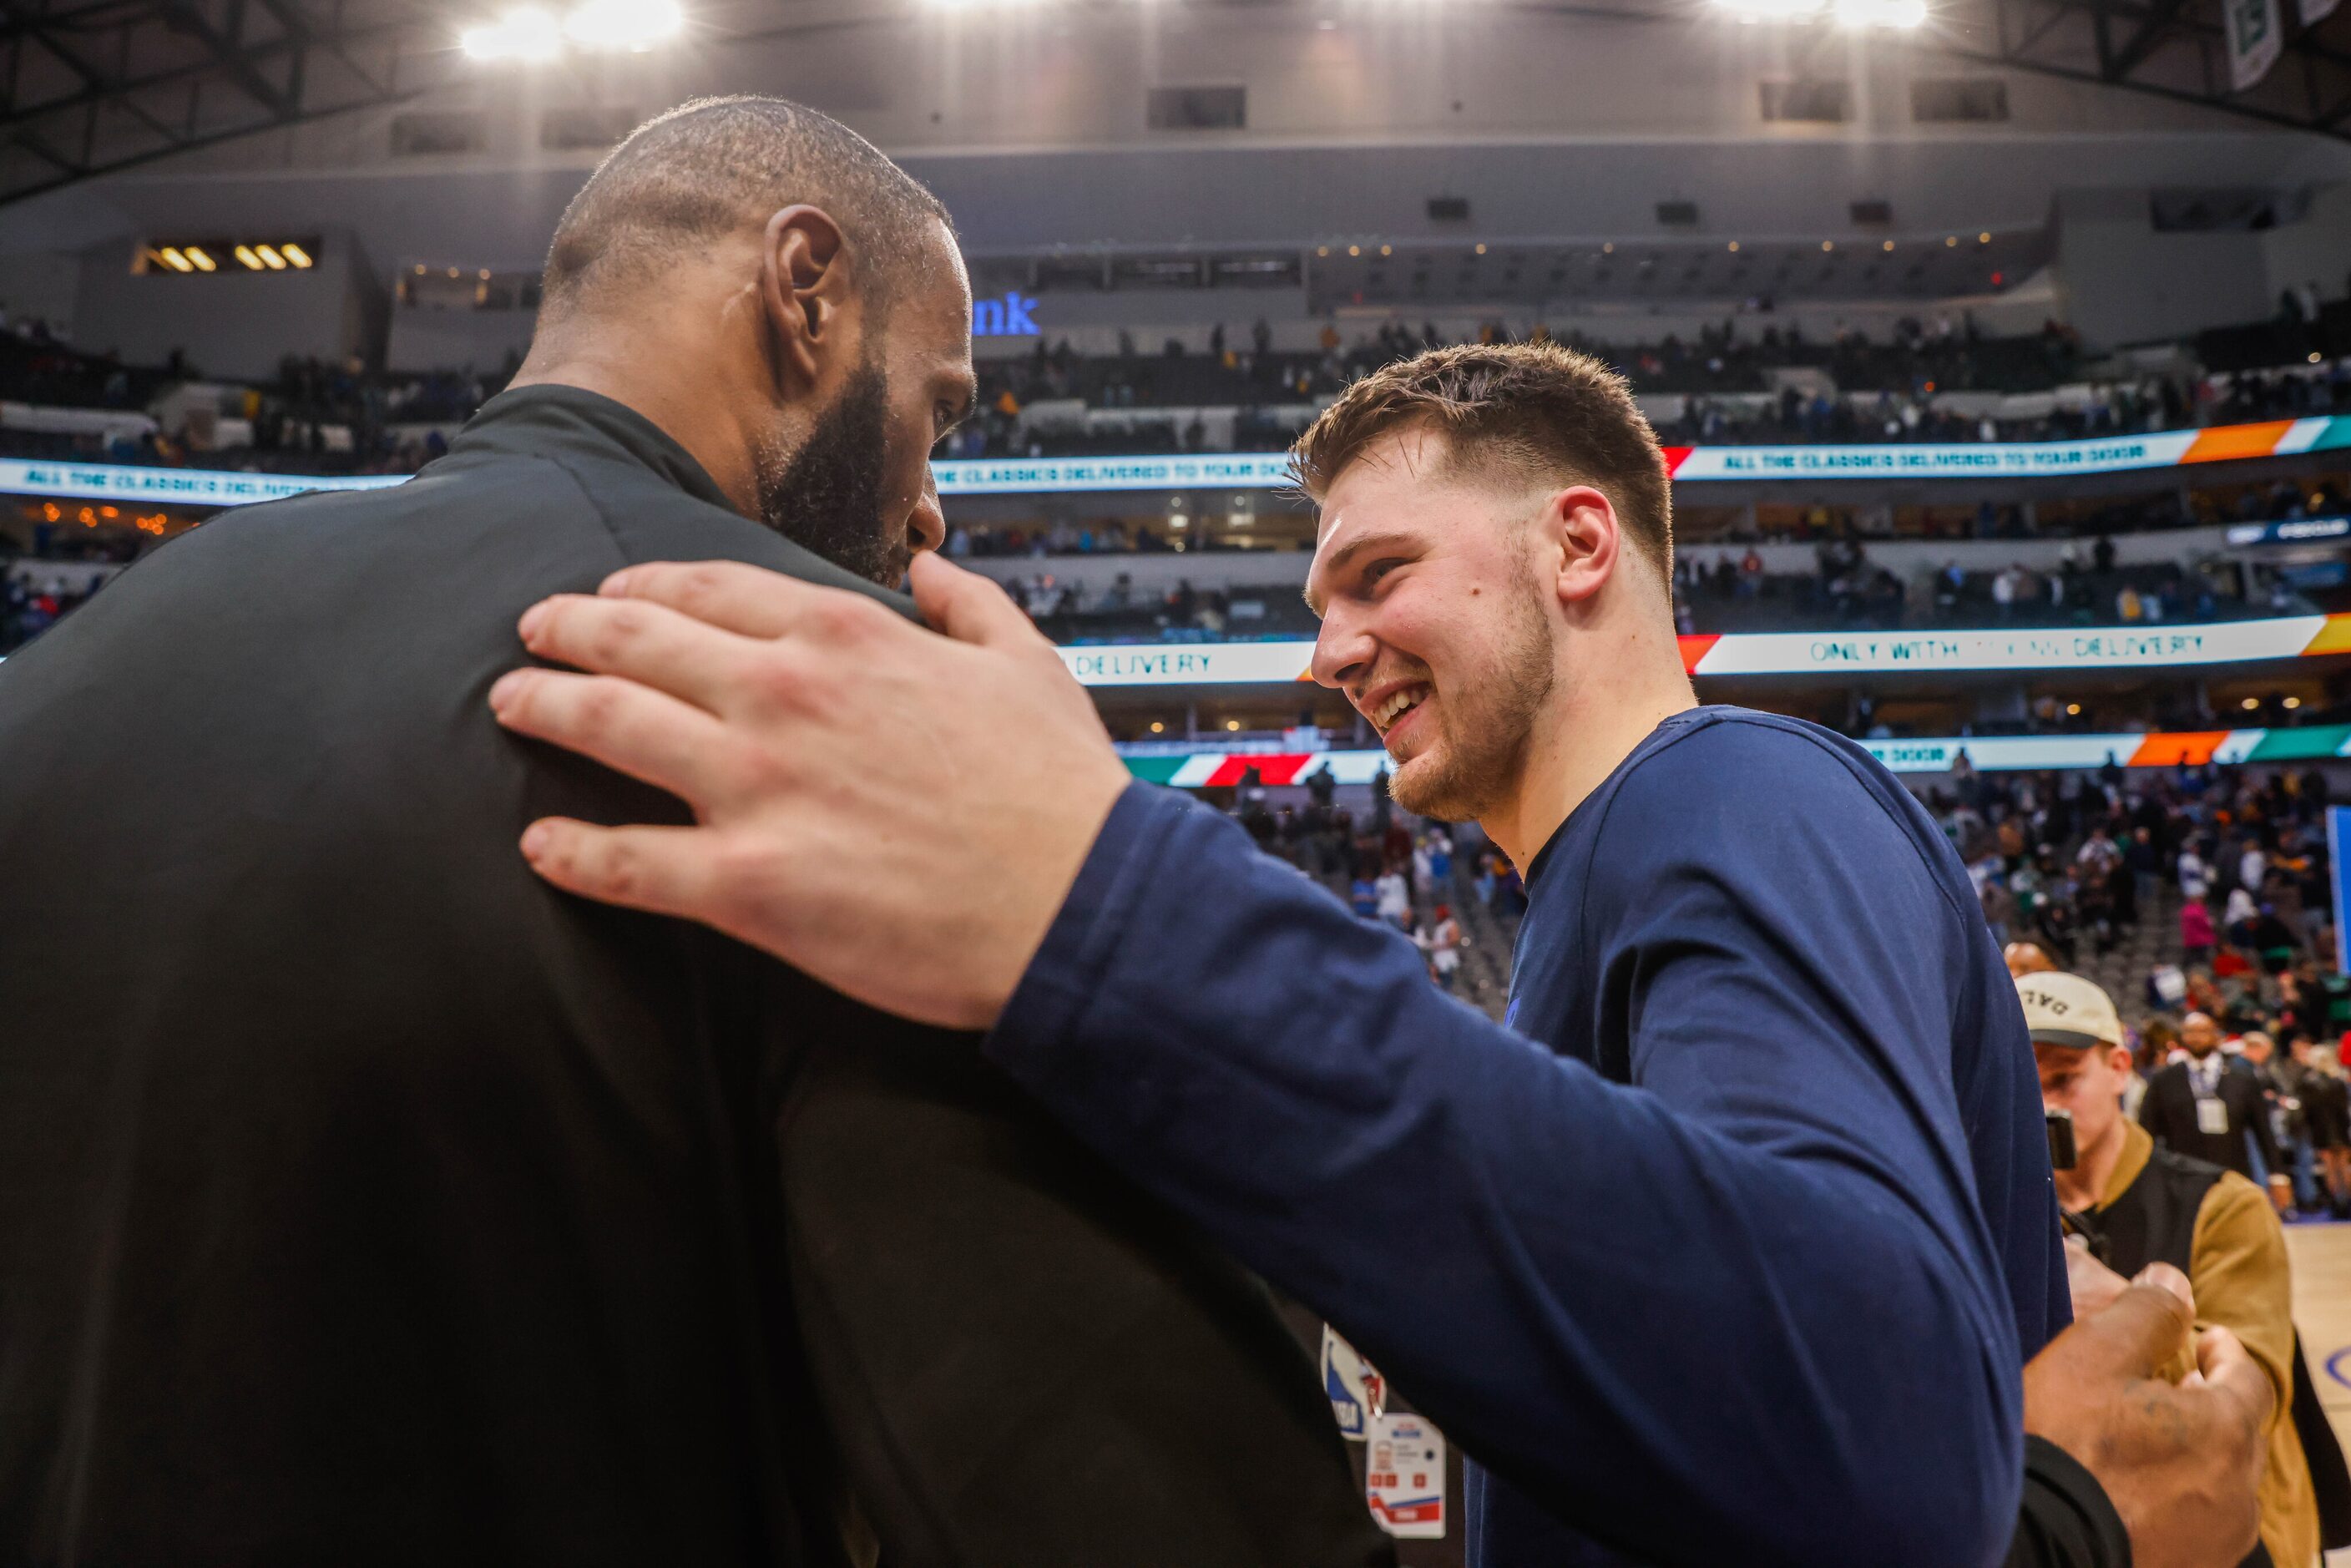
x: 1481, y: 748
x: 827, y: 496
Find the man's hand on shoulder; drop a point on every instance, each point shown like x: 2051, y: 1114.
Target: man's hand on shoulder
x: 897, y: 812
x: 2182, y: 1464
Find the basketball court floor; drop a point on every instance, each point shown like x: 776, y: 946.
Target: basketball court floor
x: 2322, y: 1309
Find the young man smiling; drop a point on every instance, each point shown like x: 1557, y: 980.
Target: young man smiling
x: 1733, y: 1252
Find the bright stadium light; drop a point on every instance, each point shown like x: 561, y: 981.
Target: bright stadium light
x: 295, y: 254
x: 634, y: 25
x: 269, y: 257
x: 170, y: 256
x: 526, y: 33
x: 246, y: 258
x: 204, y: 262
x: 1898, y: 14
x: 1773, y: 10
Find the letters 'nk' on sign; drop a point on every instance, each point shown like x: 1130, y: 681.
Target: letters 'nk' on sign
x: 1006, y: 317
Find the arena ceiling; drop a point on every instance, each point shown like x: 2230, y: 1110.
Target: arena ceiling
x: 91, y: 87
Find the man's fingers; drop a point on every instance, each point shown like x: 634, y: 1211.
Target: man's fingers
x: 2135, y: 1336
x: 643, y: 733
x: 2168, y: 1277
x: 642, y: 641
x: 2230, y: 1370
x: 967, y: 606
x: 749, y: 601
x: 665, y: 870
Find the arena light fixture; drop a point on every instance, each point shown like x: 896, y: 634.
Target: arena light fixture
x: 1773, y: 10
x: 269, y: 257
x: 170, y: 256
x: 1900, y: 15
x: 632, y: 24
x: 526, y: 33
x: 295, y: 254
x: 2291, y: 703
x: 204, y: 263
x: 246, y: 258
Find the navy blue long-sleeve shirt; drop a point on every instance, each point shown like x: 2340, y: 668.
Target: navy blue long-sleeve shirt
x: 1730, y: 1248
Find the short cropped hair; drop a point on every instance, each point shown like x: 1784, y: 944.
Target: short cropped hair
x: 716, y: 165
x: 1533, y: 410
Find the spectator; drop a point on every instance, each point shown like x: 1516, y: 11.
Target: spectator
x: 2199, y: 1108
x: 2196, y: 936
x: 2129, y: 1204
x: 1440, y: 938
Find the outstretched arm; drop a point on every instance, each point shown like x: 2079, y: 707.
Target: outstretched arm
x: 1705, y: 1320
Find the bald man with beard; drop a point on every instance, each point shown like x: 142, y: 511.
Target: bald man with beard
x: 362, y: 1199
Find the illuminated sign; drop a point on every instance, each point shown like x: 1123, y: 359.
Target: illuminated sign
x: 186, y: 486
x: 1270, y: 470
x: 2301, y: 530
x: 1986, y: 754
x: 1005, y: 318
x: 2139, y: 647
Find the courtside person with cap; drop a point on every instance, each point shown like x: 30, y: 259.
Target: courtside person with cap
x: 2133, y: 1204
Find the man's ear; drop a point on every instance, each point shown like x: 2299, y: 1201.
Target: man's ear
x: 805, y: 286
x: 1582, y: 525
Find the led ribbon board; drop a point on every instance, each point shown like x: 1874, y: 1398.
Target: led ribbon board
x: 181, y: 487
x: 2139, y: 647
x: 1986, y: 754
x: 1270, y: 470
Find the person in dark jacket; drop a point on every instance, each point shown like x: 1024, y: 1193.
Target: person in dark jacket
x: 2205, y: 1110
x: 362, y: 1200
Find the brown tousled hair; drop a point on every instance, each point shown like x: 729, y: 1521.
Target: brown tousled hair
x: 1536, y: 411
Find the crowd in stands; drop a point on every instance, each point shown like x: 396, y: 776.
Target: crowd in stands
x: 345, y: 416
x: 1719, y: 591
x: 1275, y: 390
x: 36, y: 593
x: 1390, y: 866
x: 2236, y: 865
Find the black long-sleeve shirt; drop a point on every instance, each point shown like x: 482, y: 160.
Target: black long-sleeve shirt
x: 362, y: 1199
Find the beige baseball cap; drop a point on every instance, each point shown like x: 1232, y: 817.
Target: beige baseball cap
x: 2065, y: 1009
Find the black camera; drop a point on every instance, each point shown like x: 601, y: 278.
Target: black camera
x: 2060, y: 1139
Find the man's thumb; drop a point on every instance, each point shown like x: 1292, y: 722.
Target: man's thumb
x: 965, y: 605
x: 2144, y: 1329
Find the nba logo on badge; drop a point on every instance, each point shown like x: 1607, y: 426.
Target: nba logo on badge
x: 1358, y: 1394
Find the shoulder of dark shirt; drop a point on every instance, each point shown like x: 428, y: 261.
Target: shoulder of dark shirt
x: 614, y: 509
x: 1770, y: 779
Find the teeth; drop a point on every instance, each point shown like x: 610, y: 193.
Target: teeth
x: 1398, y: 704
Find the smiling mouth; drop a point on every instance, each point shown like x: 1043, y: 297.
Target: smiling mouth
x: 1397, y: 705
